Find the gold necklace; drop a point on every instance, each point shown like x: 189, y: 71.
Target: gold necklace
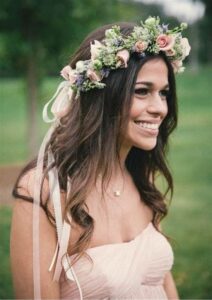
x: 118, y: 192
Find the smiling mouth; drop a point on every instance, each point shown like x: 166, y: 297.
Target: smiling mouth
x: 145, y: 125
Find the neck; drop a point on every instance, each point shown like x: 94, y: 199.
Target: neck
x: 120, y: 166
x: 119, y: 173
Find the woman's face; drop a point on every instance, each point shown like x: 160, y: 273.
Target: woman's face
x: 149, y: 105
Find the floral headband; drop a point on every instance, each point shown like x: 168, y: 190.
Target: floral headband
x: 114, y: 52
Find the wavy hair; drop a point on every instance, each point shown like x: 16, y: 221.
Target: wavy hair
x: 89, y: 137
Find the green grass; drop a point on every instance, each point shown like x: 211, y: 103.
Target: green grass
x: 6, y: 291
x: 13, y: 117
x: 189, y: 219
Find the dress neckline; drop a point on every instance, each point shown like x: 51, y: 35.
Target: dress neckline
x: 148, y: 226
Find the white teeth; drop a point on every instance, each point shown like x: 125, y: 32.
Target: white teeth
x: 147, y: 125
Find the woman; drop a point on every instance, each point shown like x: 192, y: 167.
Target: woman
x: 96, y: 231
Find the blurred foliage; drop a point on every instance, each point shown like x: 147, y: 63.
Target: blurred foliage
x: 49, y: 31
x: 205, y: 26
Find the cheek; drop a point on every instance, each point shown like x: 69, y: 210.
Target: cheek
x: 136, y: 109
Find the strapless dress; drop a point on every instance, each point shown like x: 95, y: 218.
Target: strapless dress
x: 128, y: 270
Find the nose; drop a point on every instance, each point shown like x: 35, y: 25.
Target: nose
x: 157, y: 105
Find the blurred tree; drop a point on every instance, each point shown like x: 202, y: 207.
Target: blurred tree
x: 36, y: 35
x: 33, y: 31
x: 205, y: 33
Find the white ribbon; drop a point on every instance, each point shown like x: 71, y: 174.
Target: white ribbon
x: 62, y: 99
x: 36, y: 214
x: 54, y: 189
x: 61, y: 103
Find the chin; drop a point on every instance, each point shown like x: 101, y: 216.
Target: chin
x: 146, y: 146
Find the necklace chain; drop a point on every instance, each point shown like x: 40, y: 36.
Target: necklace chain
x: 118, y: 192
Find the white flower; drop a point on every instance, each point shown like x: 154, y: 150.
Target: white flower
x: 80, y: 66
x: 150, y: 21
x: 184, y: 25
x: 178, y: 66
x: 185, y: 47
x: 96, y: 47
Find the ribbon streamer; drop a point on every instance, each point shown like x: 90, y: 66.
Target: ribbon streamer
x: 61, y: 103
x: 36, y: 214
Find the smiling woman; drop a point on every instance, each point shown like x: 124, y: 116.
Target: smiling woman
x: 94, y: 179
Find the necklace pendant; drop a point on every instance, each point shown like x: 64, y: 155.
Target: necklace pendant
x: 117, y: 193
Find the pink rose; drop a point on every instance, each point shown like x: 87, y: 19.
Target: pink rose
x: 65, y: 72
x: 68, y: 74
x: 95, y: 49
x: 165, y: 42
x: 185, y: 47
x: 123, y: 57
x: 93, y: 76
x: 177, y: 66
x: 140, y: 46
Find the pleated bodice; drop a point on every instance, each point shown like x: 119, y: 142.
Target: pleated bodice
x: 129, y: 270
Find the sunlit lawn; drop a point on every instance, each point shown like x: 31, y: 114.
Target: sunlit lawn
x: 189, y: 220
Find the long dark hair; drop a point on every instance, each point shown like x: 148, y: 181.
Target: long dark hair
x: 89, y: 137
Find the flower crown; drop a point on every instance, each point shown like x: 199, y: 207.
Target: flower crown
x: 115, y: 50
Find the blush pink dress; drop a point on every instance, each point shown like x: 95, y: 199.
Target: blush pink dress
x: 129, y: 270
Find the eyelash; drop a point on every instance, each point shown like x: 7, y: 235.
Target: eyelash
x: 144, y: 92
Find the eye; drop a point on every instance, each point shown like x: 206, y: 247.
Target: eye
x: 141, y: 91
x: 164, y: 93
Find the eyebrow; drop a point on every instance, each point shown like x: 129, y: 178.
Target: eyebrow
x: 150, y: 84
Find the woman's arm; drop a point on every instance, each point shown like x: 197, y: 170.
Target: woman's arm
x: 21, y: 252
x: 169, y: 284
x: 170, y: 287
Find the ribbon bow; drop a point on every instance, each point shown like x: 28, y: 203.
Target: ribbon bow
x: 62, y: 99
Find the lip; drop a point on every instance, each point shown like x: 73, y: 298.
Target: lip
x: 147, y: 131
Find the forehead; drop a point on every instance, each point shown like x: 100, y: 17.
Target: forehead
x: 154, y: 71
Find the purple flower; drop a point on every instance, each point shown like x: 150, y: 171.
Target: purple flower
x: 165, y: 27
x: 80, y: 79
x: 105, y: 72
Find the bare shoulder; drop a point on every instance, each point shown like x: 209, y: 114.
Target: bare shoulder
x: 26, y: 183
x: 21, y: 244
